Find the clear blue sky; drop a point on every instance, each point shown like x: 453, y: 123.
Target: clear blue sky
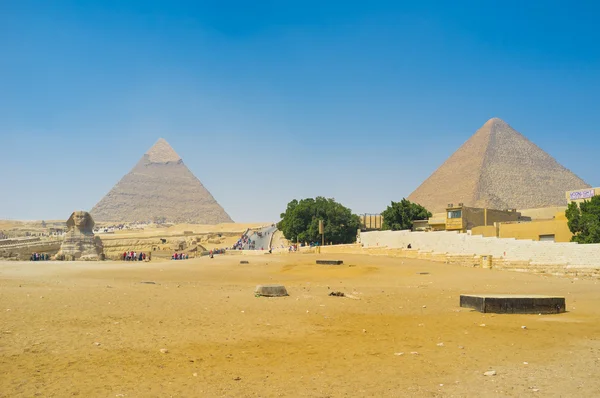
x: 356, y: 100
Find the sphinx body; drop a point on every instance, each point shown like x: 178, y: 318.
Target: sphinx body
x: 79, y: 242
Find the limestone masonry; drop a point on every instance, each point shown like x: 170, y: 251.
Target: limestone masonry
x: 497, y: 168
x: 160, y: 187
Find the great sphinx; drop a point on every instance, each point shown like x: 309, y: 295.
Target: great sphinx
x: 79, y: 242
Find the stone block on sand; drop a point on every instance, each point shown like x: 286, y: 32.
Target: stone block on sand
x: 514, y: 303
x: 330, y: 262
x: 271, y: 290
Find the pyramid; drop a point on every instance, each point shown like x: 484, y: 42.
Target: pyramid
x: 160, y: 186
x: 497, y: 168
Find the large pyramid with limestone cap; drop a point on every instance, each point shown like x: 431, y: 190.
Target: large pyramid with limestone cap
x: 160, y: 187
x: 497, y: 168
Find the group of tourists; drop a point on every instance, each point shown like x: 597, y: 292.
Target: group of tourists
x: 243, y: 241
x: 39, y: 257
x: 135, y: 256
x: 180, y: 256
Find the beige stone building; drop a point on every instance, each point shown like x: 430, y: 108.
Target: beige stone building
x: 462, y: 218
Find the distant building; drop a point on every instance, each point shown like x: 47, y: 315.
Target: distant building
x: 552, y: 230
x: 462, y: 218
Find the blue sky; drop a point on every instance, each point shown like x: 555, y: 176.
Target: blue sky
x: 275, y: 100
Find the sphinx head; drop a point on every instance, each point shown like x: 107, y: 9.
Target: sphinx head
x: 81, y: 220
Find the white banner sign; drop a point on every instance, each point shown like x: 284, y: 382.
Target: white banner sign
x: 585, y: 194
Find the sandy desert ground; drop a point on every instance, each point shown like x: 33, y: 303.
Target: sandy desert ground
x: 93, y: 330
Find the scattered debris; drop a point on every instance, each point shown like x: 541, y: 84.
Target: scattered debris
x: 482, y: 325
x: 523, y: 327
x: 148, y: 282
x: 440, y: 344
x: 414, y: 353
x: 244, y: 262
x: 490, y: 373
x: 97, y: 344
x: 398, y: 354
x: 237, y: 378
x: 337, y: 294
x: 423, y: 273
x: 195, y: 374
x: 164, y: 350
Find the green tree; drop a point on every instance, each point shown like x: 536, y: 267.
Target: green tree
x: 584, y: 220
x: 300, y: 222
x: 400, y: 215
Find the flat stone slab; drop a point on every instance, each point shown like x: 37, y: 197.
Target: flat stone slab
x: 514, y: 303
x: 330, y: 262
x: 271, y: 291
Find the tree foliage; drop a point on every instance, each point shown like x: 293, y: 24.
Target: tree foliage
x: 300, y: 222
x: 584, y: 220
x: 400, y: 215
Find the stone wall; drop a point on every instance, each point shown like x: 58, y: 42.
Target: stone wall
x: 18, y: 241
x: 535, y: 252
x: 24, y: 251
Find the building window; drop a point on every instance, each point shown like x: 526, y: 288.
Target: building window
x: 547, y: 238
x: 455, y: 214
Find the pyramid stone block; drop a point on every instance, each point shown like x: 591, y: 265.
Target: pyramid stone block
x: 497, y: 168
x: 160, y: 187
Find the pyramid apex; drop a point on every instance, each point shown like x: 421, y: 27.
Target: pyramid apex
x: 162, y: 152
x: 494, y: 120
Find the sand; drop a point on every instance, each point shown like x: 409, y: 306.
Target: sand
x: 223, y: 341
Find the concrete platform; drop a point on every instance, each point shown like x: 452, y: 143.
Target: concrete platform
x: 514, y: 303
x: 271, y: 291
x: 330, y: 262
